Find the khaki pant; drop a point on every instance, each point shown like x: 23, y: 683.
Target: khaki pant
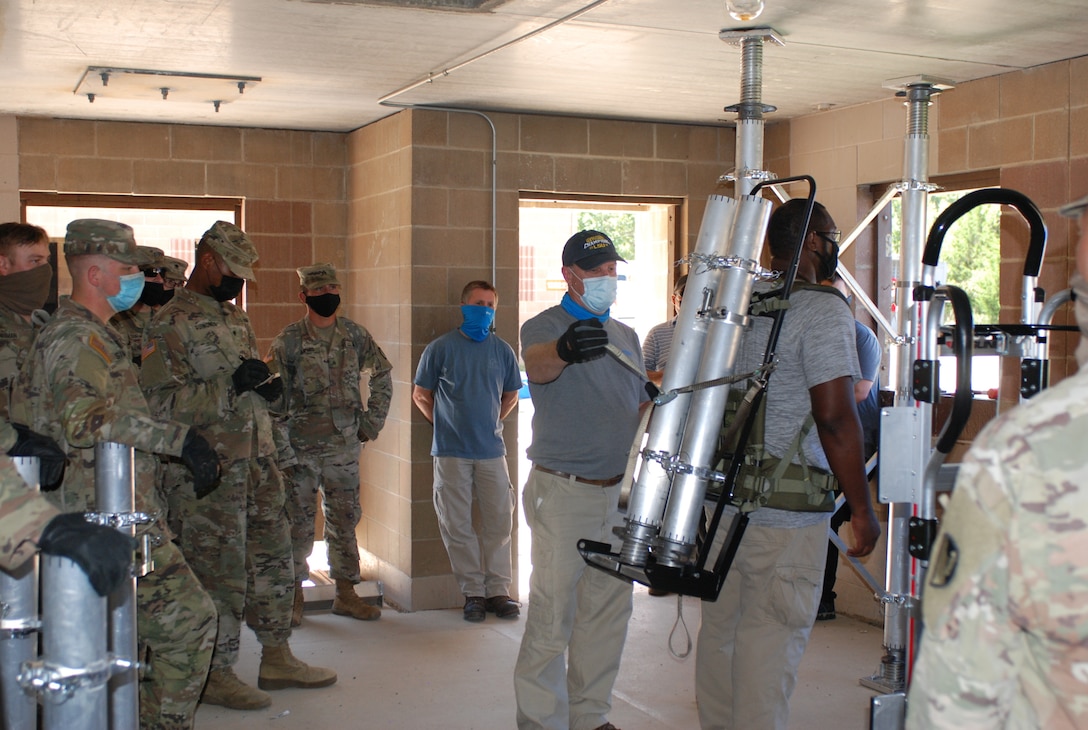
x: 752, y: 638
x: 480, y: 558
x: 577, y: 618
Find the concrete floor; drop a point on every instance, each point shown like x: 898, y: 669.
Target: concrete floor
x: 433, y: 669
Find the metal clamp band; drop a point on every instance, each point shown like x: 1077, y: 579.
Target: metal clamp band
x: 55, y: 683
x: 17, y: 628
x: 119, y: 520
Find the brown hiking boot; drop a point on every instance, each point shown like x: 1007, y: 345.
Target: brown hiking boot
x: 280, y: 669
x: 226, y: 690
x: 299, y: 605
x: 348, y: 603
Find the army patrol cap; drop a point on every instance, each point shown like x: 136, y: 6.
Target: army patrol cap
x: 174, y: 269
x: 150, y: 257
x: 101, y: 237
x: 232, y: 243
x: 316, y: 276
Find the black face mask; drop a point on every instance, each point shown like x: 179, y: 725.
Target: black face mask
x: 324, y: 305
x: 229, y: 288
x: 829, y: 263
x: 167, y: 295
x: 154, y: 295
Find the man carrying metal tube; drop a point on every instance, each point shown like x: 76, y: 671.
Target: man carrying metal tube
x: 752, y: 638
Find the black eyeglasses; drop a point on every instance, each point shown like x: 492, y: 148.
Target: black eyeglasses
x: 152, y: 273
x: 832, y: 236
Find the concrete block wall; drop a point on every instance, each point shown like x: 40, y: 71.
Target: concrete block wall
x: 293, y: 185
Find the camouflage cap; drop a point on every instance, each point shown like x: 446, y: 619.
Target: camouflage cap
x: 150, y: 257
x: 174, y: 269
x: 232, y: 243
x: 316, y: 276
x: 104, y: 238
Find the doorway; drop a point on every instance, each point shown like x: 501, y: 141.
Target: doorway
x: 646, y: 233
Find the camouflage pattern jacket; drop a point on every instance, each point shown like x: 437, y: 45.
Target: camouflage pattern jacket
x: 79, y: 387
x: 16, y: 336
x: 323, y: 405
x: 132, y: 326
x: 193, y: 346
x: 1005, y: 603
x: 24, y: 513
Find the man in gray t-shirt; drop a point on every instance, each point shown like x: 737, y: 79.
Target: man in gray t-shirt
x: 749, y: 649
x: 586, y: 412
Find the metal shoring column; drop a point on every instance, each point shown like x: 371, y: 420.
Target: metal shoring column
x: 115, y: 495
x: 19, y: 624
x: 750, y: 110
x: 651, y: 489
x: 729, y: 318
x: 75, y: 669
x: 909, y: 316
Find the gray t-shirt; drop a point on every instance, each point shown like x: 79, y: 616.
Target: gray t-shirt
x: 817, y: 344
x: 585, y: 420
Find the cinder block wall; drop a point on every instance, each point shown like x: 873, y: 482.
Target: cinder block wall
x: 293, y: 184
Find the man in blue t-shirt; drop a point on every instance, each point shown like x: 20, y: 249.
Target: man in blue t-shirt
x: 467, y: 382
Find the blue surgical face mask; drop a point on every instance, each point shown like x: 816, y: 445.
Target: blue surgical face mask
x: 477, y: 321
x: 131, y: 287
x: 600, y: 293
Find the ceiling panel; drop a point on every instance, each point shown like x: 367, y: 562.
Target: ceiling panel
x: 326, y: 65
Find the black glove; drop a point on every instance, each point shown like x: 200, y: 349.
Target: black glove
x: 250, y: 374
x: 103, y: 553
x: 271, y: 390
x: 583, y: 341
x: 202, y: 461
x: 50, y: 455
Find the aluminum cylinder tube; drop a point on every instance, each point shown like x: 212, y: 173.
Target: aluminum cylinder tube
x: 115, y: 493
x: 74, y: 649
x: 646, y: 503
x: 728, y: 325
x: 19, y: 624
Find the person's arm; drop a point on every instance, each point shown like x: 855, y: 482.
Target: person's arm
x: 837, y: 424
x: 542, y: 362
x: 861, y: 390
x: 507, y: 402
x: 381, y: 388
x: 424, y: 400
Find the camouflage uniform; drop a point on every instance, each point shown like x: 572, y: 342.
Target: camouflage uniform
x: 194, y: 344
x: 326, y: 421
x: 1006, y: 640
x: 24, y: 513
x: 16, y: 336
x: 79, y: 387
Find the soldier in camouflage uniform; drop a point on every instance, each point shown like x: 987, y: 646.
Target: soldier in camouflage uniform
x: 1005, y: 604
x: 79, y: 387
x: 201, y: 365
x: 173, y: 275
x: 324, y: 360
x: 132, y: 323
x: 25, y: 274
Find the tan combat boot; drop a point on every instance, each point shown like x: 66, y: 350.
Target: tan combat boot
x: 226, y: 690
x: 348, y: 603
x: 280, y: 669
x: 299, y: 605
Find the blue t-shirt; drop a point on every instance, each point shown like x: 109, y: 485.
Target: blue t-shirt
x: 869, y: 360
x: 468, y: 379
